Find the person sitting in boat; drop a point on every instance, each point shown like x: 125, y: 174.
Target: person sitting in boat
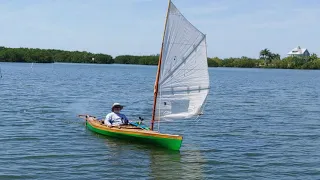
x: 115, y: 118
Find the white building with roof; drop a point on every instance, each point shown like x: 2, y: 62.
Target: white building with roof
x: 298, y: 51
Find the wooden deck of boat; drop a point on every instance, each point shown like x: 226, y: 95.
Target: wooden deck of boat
x: 129, y: 129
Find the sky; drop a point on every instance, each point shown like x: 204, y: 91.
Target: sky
x: 234, y: 28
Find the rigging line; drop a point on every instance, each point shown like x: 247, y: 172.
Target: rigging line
x: 160, y: 99
x: 159, y: 69
x: 205, y: 43
x: 203, y: 105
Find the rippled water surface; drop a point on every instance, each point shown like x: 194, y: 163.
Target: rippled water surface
x: 258, y: 124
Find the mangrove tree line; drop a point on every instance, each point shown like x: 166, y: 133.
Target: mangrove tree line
x: 266, y: 59
x: 51, y: 55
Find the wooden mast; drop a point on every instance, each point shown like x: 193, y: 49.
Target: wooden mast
x: 158, y: 71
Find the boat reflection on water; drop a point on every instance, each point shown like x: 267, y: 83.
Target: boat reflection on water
x: 153, y: 162
x: 186, y: 164
x: 165, y: 164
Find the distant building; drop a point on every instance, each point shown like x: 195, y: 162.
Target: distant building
x: 299, y: 52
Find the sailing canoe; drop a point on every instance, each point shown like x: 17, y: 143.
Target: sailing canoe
x: 181, y: 86
x: 169, y: 141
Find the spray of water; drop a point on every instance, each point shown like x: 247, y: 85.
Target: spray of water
x: 0, y: 72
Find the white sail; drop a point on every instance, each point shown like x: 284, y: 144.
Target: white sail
x: 184, y: 80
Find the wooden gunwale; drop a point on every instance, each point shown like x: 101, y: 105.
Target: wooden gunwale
x: 128, y: 131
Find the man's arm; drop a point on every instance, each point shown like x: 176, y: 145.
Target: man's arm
x: 126, y: 120
x: 108, y: 120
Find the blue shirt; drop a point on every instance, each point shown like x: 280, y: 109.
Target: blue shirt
x: 115, y: 119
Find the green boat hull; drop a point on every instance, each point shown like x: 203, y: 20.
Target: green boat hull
x: 172, y: 142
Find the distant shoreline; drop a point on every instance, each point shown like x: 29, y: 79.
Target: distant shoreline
x: 156, y: 65
x: 35, y: 55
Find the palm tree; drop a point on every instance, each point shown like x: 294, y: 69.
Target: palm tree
x: 275, y: 56
x: 265, y: 54
x: 313, y: 57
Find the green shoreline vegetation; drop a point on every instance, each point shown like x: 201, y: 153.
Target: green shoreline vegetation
x: 267, y: 59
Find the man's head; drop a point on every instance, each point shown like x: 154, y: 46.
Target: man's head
x: 116, y: 107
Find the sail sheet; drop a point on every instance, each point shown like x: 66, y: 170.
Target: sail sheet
x: 184, y: 81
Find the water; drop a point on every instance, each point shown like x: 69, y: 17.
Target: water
x: 258, y: 124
